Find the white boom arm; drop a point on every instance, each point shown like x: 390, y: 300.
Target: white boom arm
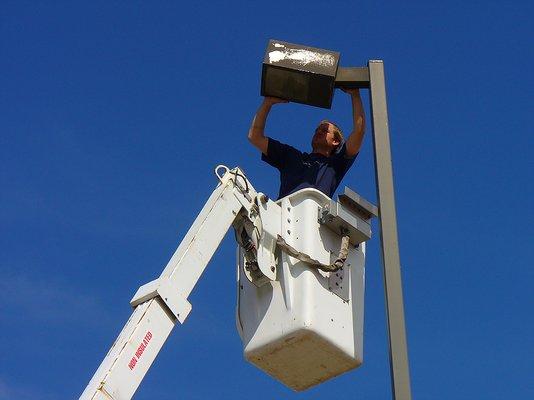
x: 160, y: 303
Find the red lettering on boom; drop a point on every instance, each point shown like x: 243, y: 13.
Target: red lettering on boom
x: 132, y: 363
x: 140, y: 350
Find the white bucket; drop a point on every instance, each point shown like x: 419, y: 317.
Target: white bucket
x: 307, y: 326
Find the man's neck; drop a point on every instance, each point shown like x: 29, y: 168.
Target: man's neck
x: 323, y: 152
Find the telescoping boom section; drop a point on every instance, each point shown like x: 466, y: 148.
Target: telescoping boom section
x: 159, y: 304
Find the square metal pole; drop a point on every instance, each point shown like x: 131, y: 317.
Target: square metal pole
x: 398, y: 349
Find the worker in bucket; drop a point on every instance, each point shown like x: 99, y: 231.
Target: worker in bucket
x: 331, y: 155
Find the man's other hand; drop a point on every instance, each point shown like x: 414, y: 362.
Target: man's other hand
x: 274, y: 100
x: 352, y: 92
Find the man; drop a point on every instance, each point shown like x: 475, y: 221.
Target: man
x: 329, y: 160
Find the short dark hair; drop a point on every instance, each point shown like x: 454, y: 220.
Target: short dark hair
x: 337, y: 130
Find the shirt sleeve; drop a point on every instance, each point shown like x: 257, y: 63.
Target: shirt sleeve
x: 279, y: 154
x: 342, y: 162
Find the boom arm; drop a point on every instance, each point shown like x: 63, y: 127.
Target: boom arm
x: 160, y: 303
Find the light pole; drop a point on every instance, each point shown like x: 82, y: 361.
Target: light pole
x: 398, y: 349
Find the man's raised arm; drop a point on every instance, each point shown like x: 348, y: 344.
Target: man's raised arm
x: 256, y: 133
x: 354, y: 141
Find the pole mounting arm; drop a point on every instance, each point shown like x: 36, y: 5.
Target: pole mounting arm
x: 352, y: 77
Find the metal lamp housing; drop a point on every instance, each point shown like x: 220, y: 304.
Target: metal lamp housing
x: 300, y: 74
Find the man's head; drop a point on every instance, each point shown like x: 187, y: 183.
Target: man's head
x: 327, y: 138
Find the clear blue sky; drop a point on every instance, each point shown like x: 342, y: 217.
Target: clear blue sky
x: 113, y: 115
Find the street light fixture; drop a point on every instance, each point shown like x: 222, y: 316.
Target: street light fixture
x: 299, y: 74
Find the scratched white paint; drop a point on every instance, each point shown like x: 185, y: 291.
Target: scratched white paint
x: 300, y: 56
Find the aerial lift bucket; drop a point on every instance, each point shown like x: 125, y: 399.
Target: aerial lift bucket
x: 299, y: 324
x: 306, y: 326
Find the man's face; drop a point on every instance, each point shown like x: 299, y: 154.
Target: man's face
x: 324, y: 137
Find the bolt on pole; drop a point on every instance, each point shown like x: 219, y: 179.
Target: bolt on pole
x: 398, y: 349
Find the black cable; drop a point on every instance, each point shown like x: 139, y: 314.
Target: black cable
x: 236, y: 174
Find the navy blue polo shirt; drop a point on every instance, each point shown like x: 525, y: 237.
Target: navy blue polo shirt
x: 300, y: 170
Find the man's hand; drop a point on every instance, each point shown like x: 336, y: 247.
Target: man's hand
x: 352, y: 92
x: 273, y: 100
